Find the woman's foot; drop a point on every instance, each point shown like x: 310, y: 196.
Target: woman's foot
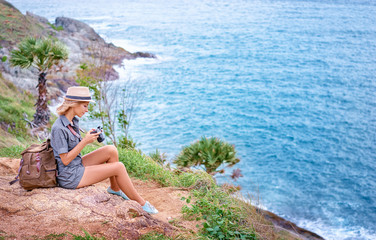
x: 149, y: 208
x: 119, y: 193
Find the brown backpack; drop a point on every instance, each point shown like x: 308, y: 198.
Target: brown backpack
x: 37, y: 167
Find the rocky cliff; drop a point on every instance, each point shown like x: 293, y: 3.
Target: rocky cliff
x: 82, y: 41
x: 41, y: 212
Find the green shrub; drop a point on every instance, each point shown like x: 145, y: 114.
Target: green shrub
x: 159, y: 157
x: 223, y: 217
x: 210, y: 152
x: 126, y: 142
x: 59, y: 28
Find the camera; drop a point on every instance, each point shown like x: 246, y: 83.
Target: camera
x: 100, y: 136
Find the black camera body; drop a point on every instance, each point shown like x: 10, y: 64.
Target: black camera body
x: 100, y: 136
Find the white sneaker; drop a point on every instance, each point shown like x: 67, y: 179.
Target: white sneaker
x: 119, y: 193
x: 149, y: 208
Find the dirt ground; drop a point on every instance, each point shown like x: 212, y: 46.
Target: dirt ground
x: 41, y: 212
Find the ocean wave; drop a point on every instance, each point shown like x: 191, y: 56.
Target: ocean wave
x: 339, y: 233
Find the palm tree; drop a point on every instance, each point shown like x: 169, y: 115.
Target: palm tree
x: 42, y: 54
x: 210, y: 152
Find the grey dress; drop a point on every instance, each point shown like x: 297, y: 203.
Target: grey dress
x: 63, y: 141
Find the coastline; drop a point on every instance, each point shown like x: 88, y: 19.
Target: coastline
x: 67, y: 78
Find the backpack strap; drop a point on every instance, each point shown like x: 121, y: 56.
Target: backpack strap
x: 16, y: 178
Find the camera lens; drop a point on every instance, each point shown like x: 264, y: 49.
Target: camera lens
x: 101, y: 135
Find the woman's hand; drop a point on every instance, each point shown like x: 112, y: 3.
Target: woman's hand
x: 90, y: 137
x: 66, y: 158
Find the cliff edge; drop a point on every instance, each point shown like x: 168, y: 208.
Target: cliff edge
x: 44, y: 211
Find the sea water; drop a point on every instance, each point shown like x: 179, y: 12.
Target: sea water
x: 290, y: 83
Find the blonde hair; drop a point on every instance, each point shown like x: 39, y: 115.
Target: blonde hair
x: 66, y: 105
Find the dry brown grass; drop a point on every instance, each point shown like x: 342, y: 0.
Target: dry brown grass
x: 14, y: 26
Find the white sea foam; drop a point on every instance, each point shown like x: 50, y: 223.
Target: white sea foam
x: 91, y: 18
x: 100, y: 26
x: 135, y: 47
x: 329, y: 233
x: 131, y: 69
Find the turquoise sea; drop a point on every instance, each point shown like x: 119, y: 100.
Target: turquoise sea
x: 291, y: 83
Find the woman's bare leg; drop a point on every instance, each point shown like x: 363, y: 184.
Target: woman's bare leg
x: 97, y: 173
x: 106, y: 154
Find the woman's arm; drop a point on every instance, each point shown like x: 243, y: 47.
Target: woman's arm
x: 66, y: 158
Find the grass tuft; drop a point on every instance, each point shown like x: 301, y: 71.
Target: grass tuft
x: 154, y: 236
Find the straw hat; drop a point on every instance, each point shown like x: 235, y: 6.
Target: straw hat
x: 81, y: 94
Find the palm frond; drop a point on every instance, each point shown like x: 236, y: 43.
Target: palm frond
x: 210, y: 152
x: 40, y: 53
x: 20, y: 59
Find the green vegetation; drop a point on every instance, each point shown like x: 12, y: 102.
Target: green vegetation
x: 15, y: 106
x: 54, y: 236
x: 159, y: 157
x: 126, y: 142
x: 12, y: 151
x: 143, y: 167
x: 59, y: 28
x: 210, y: 152
x: 154, y: 236
x: 42, y: 54
x: 223, y: 217
x: 4, y: 235
x: 87, y: 236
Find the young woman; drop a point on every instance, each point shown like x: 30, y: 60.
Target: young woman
x: 75, y: 171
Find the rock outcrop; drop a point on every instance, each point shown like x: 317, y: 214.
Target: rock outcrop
x: 41, y: 212
x: 292, y: 228
x: 76, y: 27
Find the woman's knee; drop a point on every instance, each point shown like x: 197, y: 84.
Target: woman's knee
x: 111, y: 150
x: 120, y: 166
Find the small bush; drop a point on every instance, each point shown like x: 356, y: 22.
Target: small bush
x: 210, y: 152
x: 159, y: 157
x: 223, y: 218
x: 59, y: 28
x: 126, y: 142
